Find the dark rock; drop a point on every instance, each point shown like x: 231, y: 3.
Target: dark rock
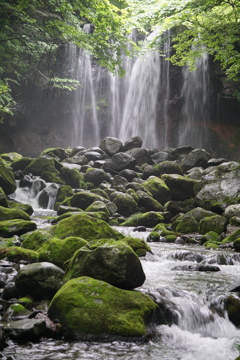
x: 40, y: 280
x: 197, y: 157
x: 141, y: 155
x: 111, y: 145
x: 140, y: 228
x: 119, y: 162
x: 26, y: 329
x: 128, y: 174
x: 7, y: 181
x: 133, y: 142
x: 161, y: 156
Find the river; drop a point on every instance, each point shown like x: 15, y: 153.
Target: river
x: 203, y: 331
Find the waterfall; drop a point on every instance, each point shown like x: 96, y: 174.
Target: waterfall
x: 196, y: 107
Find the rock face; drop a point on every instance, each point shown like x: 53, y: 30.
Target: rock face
x: 40, y: 280
x: 26, y: 329
x: 114, y: 262
x: 91, y: 308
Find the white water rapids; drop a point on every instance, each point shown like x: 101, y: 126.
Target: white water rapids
x: 194, y: 297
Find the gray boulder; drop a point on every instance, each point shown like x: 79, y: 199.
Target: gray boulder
x: 26, y: 329
x: 181, y: 187
x: 40, y: 280
x: 119, y: 162
x: 111, y: 145
x: 133, y: 142
x: 197, y: 157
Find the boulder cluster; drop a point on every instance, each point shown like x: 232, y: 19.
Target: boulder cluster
x: 76, y: 277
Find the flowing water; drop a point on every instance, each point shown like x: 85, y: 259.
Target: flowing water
x: 202, y: 331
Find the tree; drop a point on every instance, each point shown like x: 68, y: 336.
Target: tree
x: 199, y: 26
x: 32, y: 31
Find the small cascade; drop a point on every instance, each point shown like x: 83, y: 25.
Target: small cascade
x: 36, y: 192
x: 196, y: 108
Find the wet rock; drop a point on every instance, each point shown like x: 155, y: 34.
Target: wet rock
x: 95, y: 176
x: 47, y: 196
x: 176, y: 207
x: 181, y: 187
x: 26, y: 329
x: 140, y: 228
x: 114, y: 262
x: 141, y: 155
x: 7, y: 181
x: 58, y: 152
x: 168, y: 167
x: 128, y: 174
x: 147, y: 202
x: 9, y: 214
x: 187, y: 224
x: 232, y: 210
x: 40, y: 280
x: 98, y: 310
x: 84, y: 226
x: 149, y: 219
x: 71, y: 177
x: 120, y: 162
x: 119, y: 183
x: 197, y: 157
x: 133, y: 142
x: 125, y: 204
x: 3, y: 198
x: 83, y: 199
x: 148, y: 171
x: 161, y: 156
x: 9, y: 228
x: 232, y: 306
x: 216, y: 223
x: 111, y: 145
x: 17, y: 254
x: 10, y: 291
x: 158, y: 189
x: 39, y: 165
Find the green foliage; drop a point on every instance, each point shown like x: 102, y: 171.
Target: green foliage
x: 33, y: 32
x: 198, y: 26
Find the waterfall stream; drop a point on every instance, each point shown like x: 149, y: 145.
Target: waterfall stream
x: 202, y: 330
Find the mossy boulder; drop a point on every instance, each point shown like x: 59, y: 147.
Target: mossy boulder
x: 187, y: 224
x: 51, y: 178
x: 125, y: 204
x: 36, y: 239
x: 216, y: 223
x: 197, y: 157
x: 114, y: 262
x: 199, y: 213
x: 211, y: 236
x: 3, y: 198
x: 83, y: 199
x: 21, y: 164
x: 71, y: 177
x: 8, y: 228
x: 39, y: 165
x: 147, y: 202
x: 59, y: 251
x: 41, y: 280
x: 53, y: 152
x: 98, y: 206
x: 162, y: 229
x: 87, y: 307
x: 27, y: 208
x: 9, y: 214
x: 139, y: 246
x: 16, y: 254
x: 63, y: 193
x: 176, y: 207
x: 232, y: 306
x: 170, y: 238
x: 233, y: 236
x: 84, y: 226
x: 95, y: 176
x: 211, y: 245
x: 168, y: 167
x: 158, y: 189
x: 149, y: 219
x: 7, y: 180
x: 181, y: 187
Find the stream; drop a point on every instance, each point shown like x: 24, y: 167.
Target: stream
x: 203, y: 331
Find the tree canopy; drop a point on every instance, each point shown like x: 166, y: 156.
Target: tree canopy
x: 32, y: 31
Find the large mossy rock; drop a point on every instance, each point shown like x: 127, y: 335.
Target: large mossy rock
x: 181, y: 187
x: 197, y: 157
x: 187, y: 225
x: 84, y: 226
x: 149, y: 219
x: 34, y: 240
x: 16, y: 254
x: 3, y: 198
x: 83, y: 199
x: 221, y: 192
x: 114, y: 262
x: 168, y: 167
x: 71, y: 177
x: 95, y: 176
x: 39, y: 165
x: 59, y: 251
x: 147, y: 202
x: 40, y: 280
x: 91, y: 308
x: 9, y: 214
x: 158, y: 189
x: 176, y: 207
x: 9, y: 228
x: 216, y: 223
x: 125, y: 204
x: 7, y: 180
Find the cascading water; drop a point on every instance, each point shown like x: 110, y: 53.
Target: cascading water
x: 106, y: 105
x: 196, y: 108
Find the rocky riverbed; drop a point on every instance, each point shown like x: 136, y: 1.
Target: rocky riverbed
x: 77, y: 276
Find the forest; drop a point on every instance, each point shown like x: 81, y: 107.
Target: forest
x: 33, y: 31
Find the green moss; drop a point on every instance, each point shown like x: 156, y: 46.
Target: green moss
x: 27, y: 208
x: 17, y: 309
x: 236, y: 244
x: 84, y: 226
x: 26, y: 301
x: 187, y: 225
x: 154, y: 236
x: 211, y: 236
x: 235, y: 235
x: 170, y: 238
x: 8, y: 228
x: 149, y: 219
x: 216, y: 223
x: 163, y: 230
x: 35, y: 240
x: 17, y: 254
x: 158, y: 189
x: 211, y: 245
x: 91, y: 307
x: 59, y: 251
x: 9, y: 214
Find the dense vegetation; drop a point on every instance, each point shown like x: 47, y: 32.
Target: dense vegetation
x: 33, y: 31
